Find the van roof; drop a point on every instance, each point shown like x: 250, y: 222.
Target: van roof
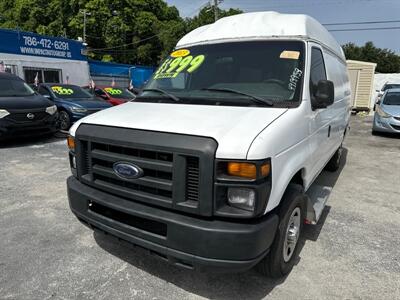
x: 262, y: 25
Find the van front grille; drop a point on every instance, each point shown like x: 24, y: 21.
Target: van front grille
x: 177, y: 170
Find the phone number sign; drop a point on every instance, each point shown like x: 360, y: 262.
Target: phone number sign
x: 26, y: 43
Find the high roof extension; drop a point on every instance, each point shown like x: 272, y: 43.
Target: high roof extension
x: 262, y: 25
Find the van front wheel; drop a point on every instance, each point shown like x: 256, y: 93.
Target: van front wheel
x: 282, y: 256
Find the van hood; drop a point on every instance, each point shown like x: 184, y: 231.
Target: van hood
x: 234, y: 128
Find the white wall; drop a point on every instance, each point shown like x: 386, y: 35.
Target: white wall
x: 77, y: 70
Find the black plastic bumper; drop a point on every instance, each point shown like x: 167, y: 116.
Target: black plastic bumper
x: 10, y: 129
x: 182, y: 239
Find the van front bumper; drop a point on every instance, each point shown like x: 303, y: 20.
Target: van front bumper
x: 181, y: 239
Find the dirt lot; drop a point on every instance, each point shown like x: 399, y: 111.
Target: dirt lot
x: 45, y: 253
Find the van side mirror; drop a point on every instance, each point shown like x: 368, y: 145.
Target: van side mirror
x: 325, y: 94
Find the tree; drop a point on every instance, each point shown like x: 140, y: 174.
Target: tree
x: 387, y: 60
x: 206, y: 16
x: 126, y: 31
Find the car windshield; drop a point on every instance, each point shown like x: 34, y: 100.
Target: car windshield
x: 14, y: 88
x: 69, y: 91
x: 119, y: 93
x: 391, y: 86
x: 392, y: 98
x: 236, y: 73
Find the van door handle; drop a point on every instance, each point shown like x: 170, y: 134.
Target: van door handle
x: 329, y: 131
x: 347, y: 93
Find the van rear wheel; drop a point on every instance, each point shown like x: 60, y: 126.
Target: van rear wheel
x: 334, y: 163
x: 284, y: 250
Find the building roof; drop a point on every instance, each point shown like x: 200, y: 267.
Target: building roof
x: 359, y: 62
x: 262, y: 25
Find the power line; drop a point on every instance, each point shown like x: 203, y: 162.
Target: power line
x: 121, y: 46
x: 361, y: 23
x: 365, y: 29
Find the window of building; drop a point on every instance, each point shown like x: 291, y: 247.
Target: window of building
x: 12, y: 69
x: 44, y: 75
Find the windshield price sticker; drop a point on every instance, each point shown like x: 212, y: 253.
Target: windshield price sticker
x: 290, y: 54
x: 62, y: 91
x: 113, y: 91
x: 174, y: 66
x: 180, y: 53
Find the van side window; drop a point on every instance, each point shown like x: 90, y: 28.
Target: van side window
x: 318, y: 71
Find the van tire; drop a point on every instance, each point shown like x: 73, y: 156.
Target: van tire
x: 334, y: 163
x: 275, y: 264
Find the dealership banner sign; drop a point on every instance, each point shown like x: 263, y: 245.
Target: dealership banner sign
x: 27, y: 43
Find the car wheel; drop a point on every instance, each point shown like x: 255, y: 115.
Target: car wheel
x: 64, y: 120
x: 334, y: 163
x: 284, y: 250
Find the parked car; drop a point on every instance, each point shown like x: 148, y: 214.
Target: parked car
x: 385, y: 87
x: 114, y: 95
x: 387, y: 112
x: 209, y: 166
x: 23, y: 112
x: 72, y: 101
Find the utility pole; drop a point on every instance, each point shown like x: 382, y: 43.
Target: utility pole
x: 216, y: 10
x: 85, y: 13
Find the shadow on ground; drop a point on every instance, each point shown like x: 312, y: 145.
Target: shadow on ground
x: 248, y: 285
x: 30, y: 141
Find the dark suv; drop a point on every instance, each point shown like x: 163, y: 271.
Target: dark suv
x: 23, y: 112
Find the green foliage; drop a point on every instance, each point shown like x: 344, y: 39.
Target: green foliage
x: 206, y: 16
x: 387, y: 61
x: 126, y: 31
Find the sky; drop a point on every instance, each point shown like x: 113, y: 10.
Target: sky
x: 326, y: 12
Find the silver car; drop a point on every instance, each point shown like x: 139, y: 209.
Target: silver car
x: 387, y: 112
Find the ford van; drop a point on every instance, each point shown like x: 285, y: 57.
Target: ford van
x: 210, y: 167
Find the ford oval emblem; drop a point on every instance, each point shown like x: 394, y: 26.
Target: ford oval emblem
x: 127, y: 170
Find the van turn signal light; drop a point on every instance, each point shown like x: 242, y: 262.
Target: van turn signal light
x: 241, y: 169
x: 247, y: 170
x: 71, y: 143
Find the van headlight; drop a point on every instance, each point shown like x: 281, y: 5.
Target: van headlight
x: 51, y: 110
x: 381, y: 112
x: 243, y: 198
x: 79, y: 109
x: 3, y: 113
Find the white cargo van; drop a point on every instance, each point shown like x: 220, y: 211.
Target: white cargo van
x: 209, y: 167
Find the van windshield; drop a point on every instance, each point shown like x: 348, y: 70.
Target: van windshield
x: 232, y: 73
x: 14, y: 88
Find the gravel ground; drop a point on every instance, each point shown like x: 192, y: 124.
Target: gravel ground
x: 45, y: 253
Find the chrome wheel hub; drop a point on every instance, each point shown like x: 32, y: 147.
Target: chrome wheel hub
x: 292, y: 234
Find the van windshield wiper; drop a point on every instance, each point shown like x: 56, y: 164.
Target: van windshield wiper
x: 173, y: 97
x: 252, y: 97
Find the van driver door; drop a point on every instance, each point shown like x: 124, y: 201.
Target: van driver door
x: 320, y: 119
